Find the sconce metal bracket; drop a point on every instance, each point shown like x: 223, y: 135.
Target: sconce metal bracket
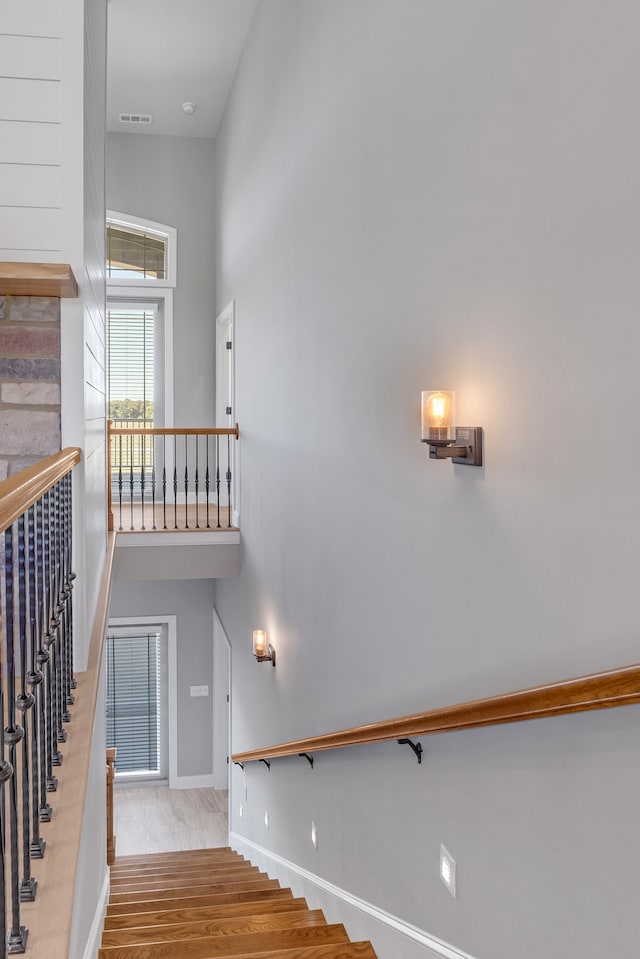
x: 417, y: 747
x: 466, y: 450
x: 267, y: 763
x: 269, y: 658
x: 307, y: 757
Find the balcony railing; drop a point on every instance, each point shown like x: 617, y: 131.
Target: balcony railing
x: 36, y: 674
x: 170, y: 479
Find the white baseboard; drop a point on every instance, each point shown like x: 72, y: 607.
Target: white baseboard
x: 192, y: 782
x: 95, y: 933
x: 392, y: 938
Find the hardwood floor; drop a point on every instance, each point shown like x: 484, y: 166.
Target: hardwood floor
x: 150, y: 819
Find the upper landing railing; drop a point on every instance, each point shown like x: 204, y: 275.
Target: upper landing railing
x: 36, y: 674
x: 170, y: 479
x: 617, y: 687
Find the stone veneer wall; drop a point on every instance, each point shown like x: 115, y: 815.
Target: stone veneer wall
x: 29, y: 381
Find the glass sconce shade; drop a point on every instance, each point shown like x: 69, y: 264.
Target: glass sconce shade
x: 438, y: 416
x: 260, y: 642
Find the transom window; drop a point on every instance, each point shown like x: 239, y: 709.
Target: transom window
x: 140, y: 252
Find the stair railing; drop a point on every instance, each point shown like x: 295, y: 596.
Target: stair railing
x: 36, y: 670
x: 616, y: 687
x: 170, y: 479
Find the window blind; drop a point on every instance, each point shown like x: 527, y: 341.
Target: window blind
x: 135, y: 254
x: 133, y: 701
x: 130, y: 364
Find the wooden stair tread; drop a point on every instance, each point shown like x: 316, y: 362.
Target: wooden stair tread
x: 183, y: 870
x: 234, y: 945
x: 195, y: 889
x: 185, y: 855
x: 186, y: 902
x: 140, y: 920
x: 192, y: 880
x: 228, y: 926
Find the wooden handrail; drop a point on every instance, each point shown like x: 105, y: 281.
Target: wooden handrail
x: 616, y: 687
x: 21, y: 491
x: 173, y: 431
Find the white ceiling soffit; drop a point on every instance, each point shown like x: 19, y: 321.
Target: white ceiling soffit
x: 163, y: 53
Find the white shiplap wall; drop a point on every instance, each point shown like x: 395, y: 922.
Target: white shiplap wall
x: 31, y: 90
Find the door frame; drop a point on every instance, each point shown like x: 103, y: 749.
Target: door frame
x: 170, y: 622
x: 225, y: 362
x: 221, y: 704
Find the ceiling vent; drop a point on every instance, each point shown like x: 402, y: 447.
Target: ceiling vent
x: 137, y: 118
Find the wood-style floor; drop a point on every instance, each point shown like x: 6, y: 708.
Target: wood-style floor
x: 151, y: 819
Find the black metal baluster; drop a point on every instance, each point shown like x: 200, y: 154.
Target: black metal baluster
x: 17, y: 935
x: 153, y: 479
x: 218, y: 477
x: 67, y: 665
x: 120, y: 477
x: 186, y: 484
x: 59, y: 614
x: 175, y: 482
x: 42, y: 660
x: 206, y: 482
x: 6, y: 772
x: 229, y: 479
x: 69, y: 581
x: 131, y: 478
x: 197, y: 483
x: 164, y: 482
x: 143, y: 455
x: 53, y: 757
x: 34, y: 679
x: 24, y: 702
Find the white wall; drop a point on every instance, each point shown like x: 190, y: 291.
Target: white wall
x: 170, y: 180
x: 411, y: 195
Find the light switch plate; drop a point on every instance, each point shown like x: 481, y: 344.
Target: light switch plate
x: 198, y: 690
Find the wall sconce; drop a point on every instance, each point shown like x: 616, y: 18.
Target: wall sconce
x: 462, y: 444
x: 262, y: 648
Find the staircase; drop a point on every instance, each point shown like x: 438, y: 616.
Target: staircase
x: 206, y: 903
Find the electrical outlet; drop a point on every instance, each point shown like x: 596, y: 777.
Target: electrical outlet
x: 448, y: 870
x: 198, y: 690
x: 314, y: 835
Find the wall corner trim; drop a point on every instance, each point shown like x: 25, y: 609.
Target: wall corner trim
x: 95, y: 933
x: 287, y: 871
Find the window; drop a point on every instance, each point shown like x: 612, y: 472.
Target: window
x: 139, y: 252
x: 136, y: 700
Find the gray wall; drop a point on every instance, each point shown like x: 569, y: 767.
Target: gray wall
x: 415, y: 195
x: 191, y: 601
x: 170, y: 180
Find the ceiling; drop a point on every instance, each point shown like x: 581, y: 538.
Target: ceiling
x: 163, y: 53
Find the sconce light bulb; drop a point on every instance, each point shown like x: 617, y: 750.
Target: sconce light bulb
x: 259, y: 642
x: 438, y: 416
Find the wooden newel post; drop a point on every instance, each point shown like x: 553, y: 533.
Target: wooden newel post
x: 111, y: 839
